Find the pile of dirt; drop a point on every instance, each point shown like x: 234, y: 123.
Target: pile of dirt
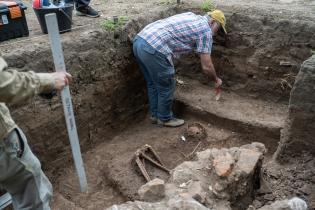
x: 288, y: 180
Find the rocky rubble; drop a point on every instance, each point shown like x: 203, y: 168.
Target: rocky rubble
x: 218, y: 179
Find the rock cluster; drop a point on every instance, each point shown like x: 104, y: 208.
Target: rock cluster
x: 218, y: 179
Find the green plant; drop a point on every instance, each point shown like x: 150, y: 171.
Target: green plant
x: 313, y: 52
x: 110, y: 25
x: 207, y: 6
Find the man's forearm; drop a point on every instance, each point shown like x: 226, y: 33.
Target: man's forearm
x: 210, y: 71
x: 17, y: 86
x: 207, y: 66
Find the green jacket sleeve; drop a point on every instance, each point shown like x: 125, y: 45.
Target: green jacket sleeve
x: 17, y: 86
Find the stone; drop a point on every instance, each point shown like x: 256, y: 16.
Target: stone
x: 186, y: 171
x: 297, y: 204
x: 259, y: 147
x: 185, y: 204
x: 152, y: 191
x: 196, y: 191
x: 204, y: 155
x: 223, y: 164
x: 257, y: 204
x: 292, y: 204
x: 248, y: 160
x: 269, y: 197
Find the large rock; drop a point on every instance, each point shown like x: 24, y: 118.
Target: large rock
x: 152, y: 191
x: 299, y: 131
x: 292, y: 204
x: 247, y: 161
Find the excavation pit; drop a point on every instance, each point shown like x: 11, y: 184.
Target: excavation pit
x: 110, y: 103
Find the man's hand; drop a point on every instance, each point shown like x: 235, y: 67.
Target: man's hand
x: 218, y: 82
x: 62, y: 79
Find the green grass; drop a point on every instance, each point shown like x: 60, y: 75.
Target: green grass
x: 109, y: 25
x: 207, y: 6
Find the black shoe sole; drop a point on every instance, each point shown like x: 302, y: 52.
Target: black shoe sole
x: 78, y: 13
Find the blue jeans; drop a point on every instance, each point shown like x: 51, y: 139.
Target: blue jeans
x: 159, y: 76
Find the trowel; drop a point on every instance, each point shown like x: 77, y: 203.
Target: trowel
x: 217, y: 93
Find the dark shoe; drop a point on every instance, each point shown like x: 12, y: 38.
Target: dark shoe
x: 87, y: 11
x: 174, y: 122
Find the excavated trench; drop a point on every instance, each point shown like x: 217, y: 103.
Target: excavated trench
x: 257, y: 60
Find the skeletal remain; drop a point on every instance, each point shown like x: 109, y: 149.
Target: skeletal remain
x: 141, y: 156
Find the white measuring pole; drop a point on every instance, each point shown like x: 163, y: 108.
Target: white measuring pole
x: 54, y: 37
x: 5, y: 200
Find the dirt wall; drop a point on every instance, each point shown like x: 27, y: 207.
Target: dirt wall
x: 261, y: 54
x: 108, y: 92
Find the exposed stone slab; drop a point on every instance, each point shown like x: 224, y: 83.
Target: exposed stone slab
x: 152, y: 191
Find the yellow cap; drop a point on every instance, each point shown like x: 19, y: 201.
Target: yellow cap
x: 218, y: 16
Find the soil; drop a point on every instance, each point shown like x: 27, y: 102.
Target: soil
x: 112, y: 178
x: 110, y: 103
x: 288, y: 180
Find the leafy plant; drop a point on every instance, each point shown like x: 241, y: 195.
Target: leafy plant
x: 110, y: 25
x: 207, y: 6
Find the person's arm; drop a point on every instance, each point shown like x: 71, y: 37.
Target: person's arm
x: 203, y: 48
x: 207, y: 66
x: 16, y: 87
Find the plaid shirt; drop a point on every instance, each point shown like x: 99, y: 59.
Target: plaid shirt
x: 179, y: 34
